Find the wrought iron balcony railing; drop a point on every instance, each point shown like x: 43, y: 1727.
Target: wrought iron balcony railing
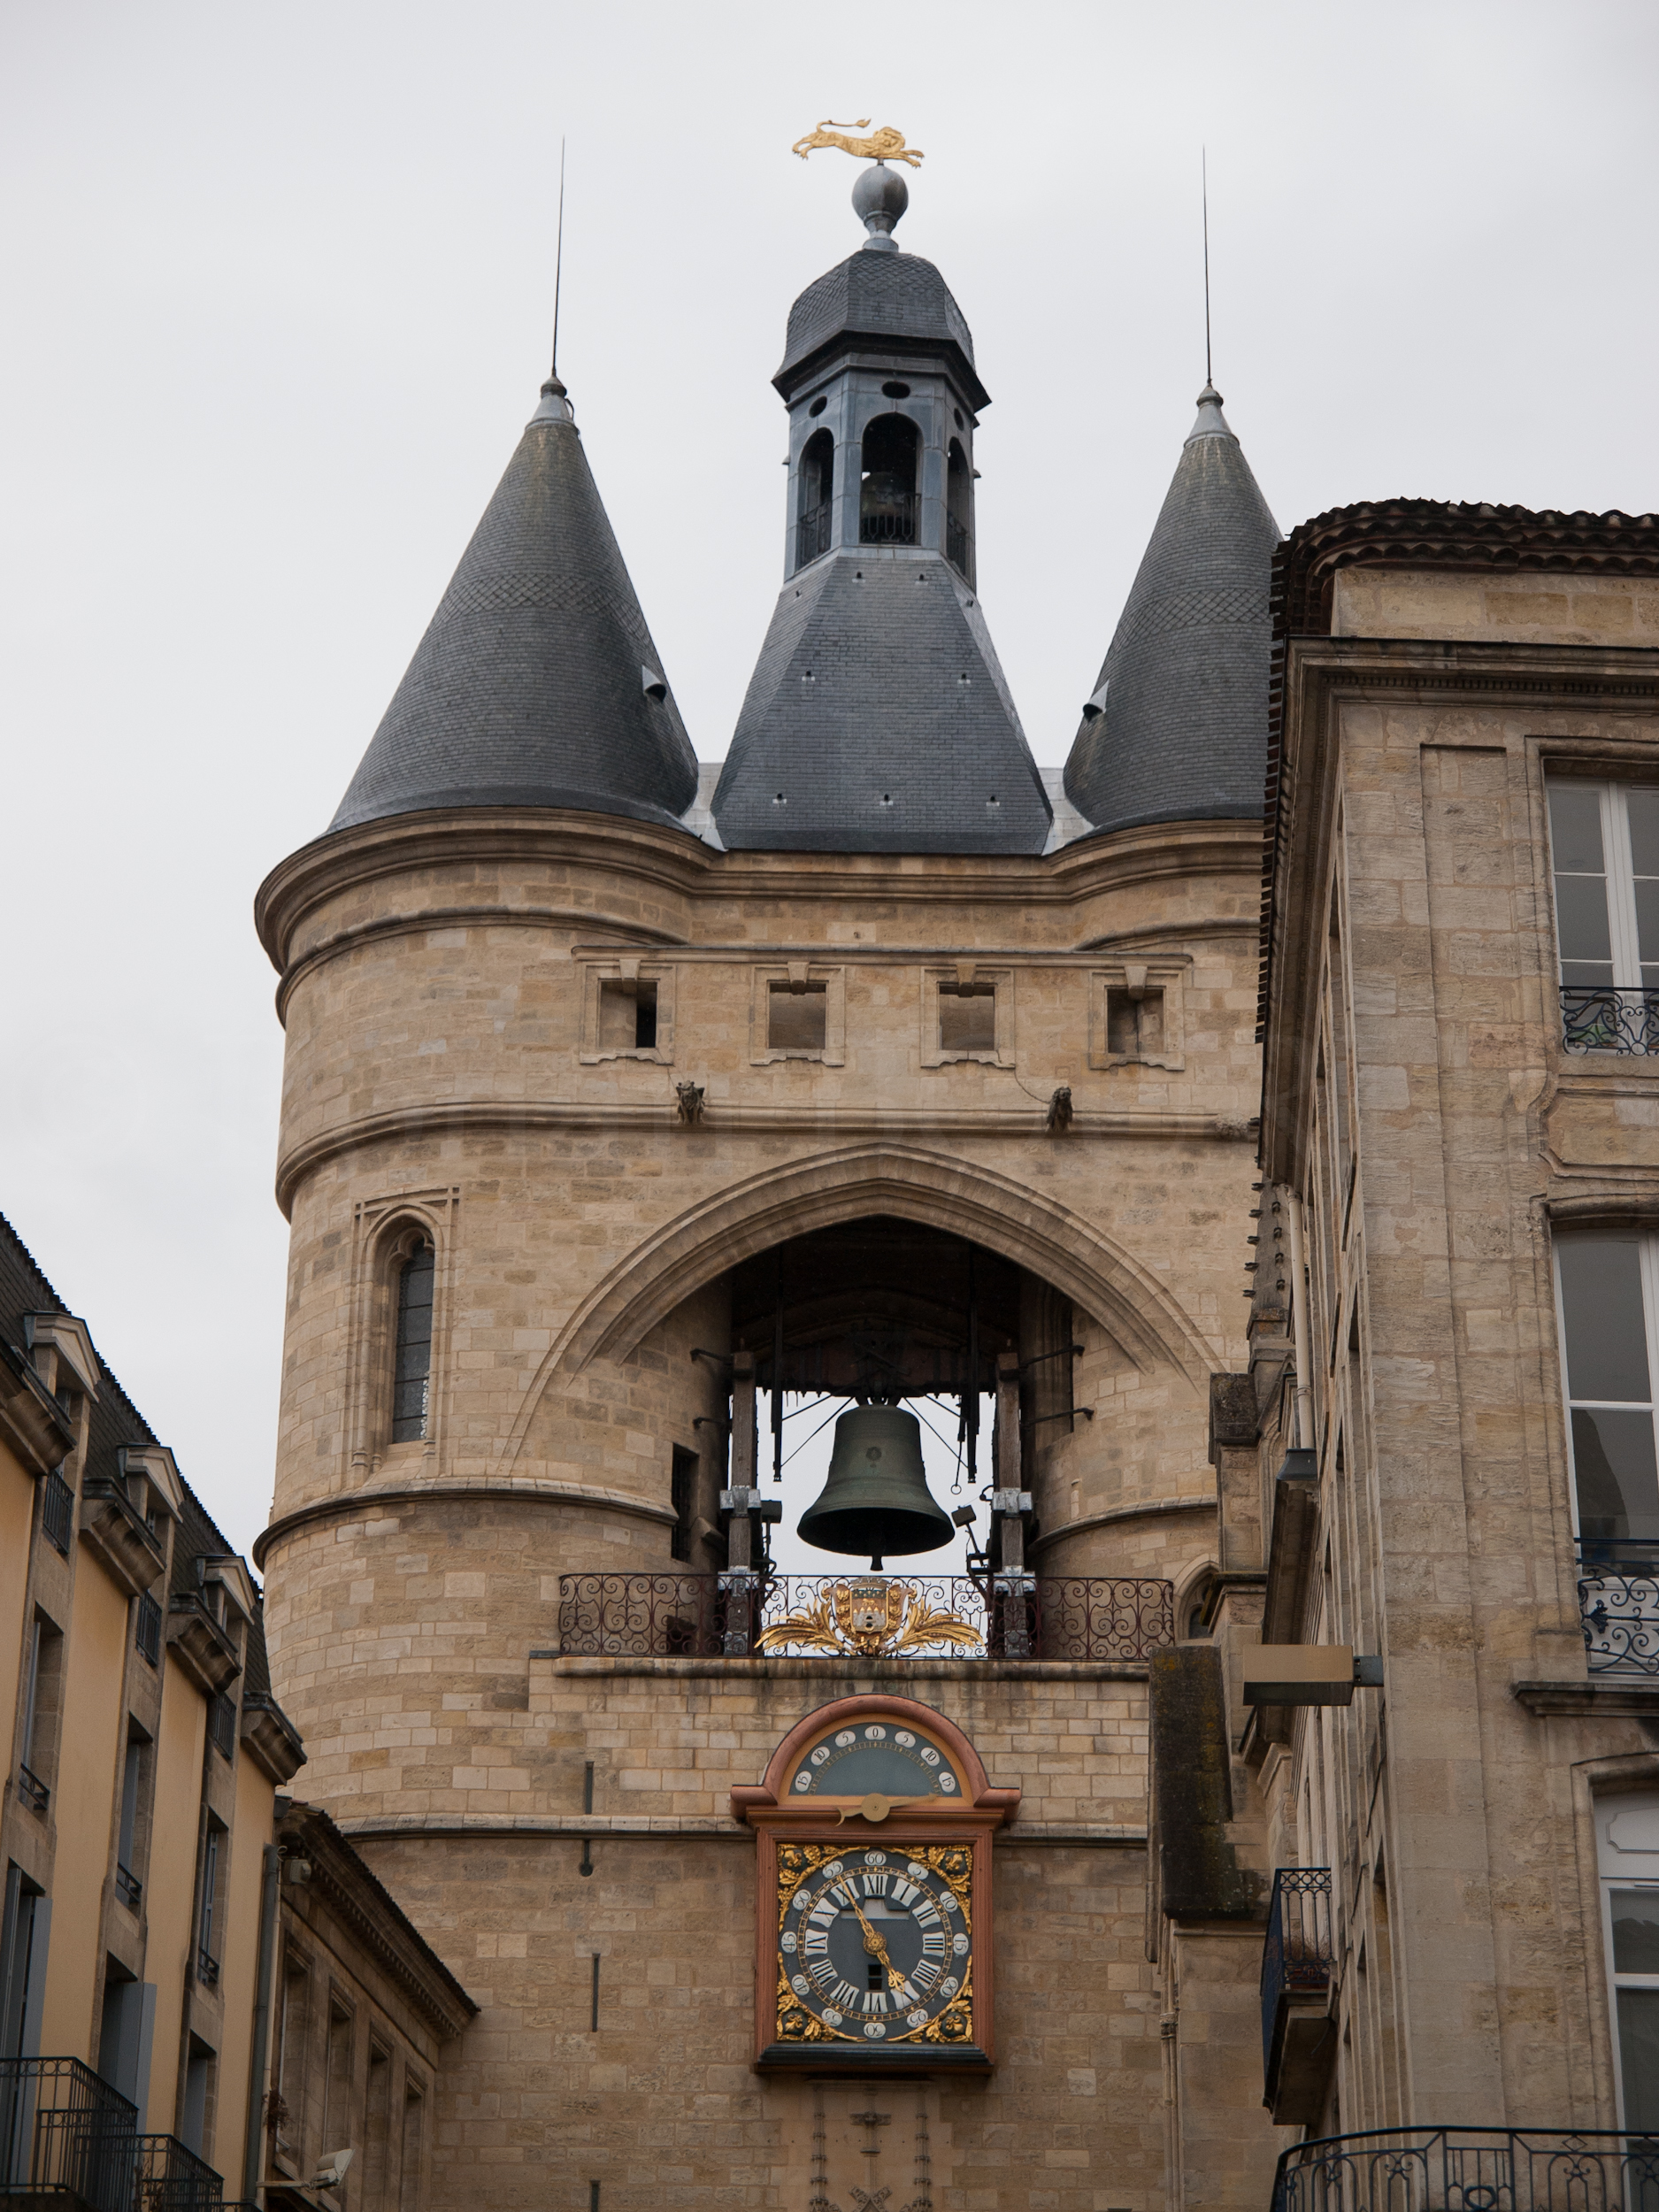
x: 170, y: 2178
x: 206, y: 1967
x: 812, y: 533
x: 57, y: 1510
x: 1471, y: 2169
x: 128, y: 1888
x: 959, y: 548
x: 893, y: 523
x: 997, y: 1616
x: 33, y: 1790
x: 1296, y: 1962
x: 1597, y: 1017
x: 1618, y: 1605
x: 66, y: 2135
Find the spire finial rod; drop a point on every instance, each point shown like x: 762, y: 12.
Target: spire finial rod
x: 1203, y: 172
x: 559, y: 264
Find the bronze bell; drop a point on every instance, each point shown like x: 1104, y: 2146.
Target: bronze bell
x: 875, y: 1499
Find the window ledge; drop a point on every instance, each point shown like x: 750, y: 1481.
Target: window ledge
x: 1607, y: 1697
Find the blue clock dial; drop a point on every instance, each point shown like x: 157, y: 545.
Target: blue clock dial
x: 875, y: 1756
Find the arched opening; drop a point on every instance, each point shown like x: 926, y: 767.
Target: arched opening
x: 959, y: 512
x: 817, y: 486
x: 898, y: 1420
x: 888, y: 500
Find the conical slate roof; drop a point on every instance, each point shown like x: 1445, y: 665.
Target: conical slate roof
x: 1176, y: 729
x: 537, y: 683
x: 877, y: 720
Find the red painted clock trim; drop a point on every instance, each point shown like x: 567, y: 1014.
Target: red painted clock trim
x: 776, y: 1817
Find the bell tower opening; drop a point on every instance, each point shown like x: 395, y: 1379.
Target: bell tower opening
x: 959, y: 512
x: 887, y: 501
x: 814, y: 534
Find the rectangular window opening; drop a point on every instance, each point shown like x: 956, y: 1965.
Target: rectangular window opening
x: 683, y: 1498
x: 337, y: 2080
x: 207, y: 1924
x: 967, y: 1017
x: 195, y: 2110
x: 377, y: 2126
x: 42, y: 1699
x: 1134, y: 1022
x: 1604, y: 858
x: 23, y: 1946
x: 293, y: 2020
x: 627, y: 1015
x: 795, y: 1017
x: 414, y: 2129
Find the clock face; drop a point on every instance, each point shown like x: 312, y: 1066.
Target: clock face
x: 875, y: 1946
x: 875, y: 1757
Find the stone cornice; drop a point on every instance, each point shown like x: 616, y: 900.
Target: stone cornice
x: 1151, y: 1510
x: 659, y: 945
x: 1603, y: 1697
x: 656, y: 1828
x: 1453, y: 537
x: 349, y: 1890
x: 887, y: 1674
x: 680, y: 864
x: 1314, y: 678
x: 401, y: 1124
x: 349, y: 1504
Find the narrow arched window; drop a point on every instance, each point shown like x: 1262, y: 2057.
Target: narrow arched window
x: 412, y: 1373
x: 888, y: 502
x: 817, y: 482
x: 959, y: 512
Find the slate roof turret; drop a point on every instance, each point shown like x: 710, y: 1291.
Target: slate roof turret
x: 877, y: 718
x: 893, y: 303
x: 1176, y: 728
x: 536, y: 683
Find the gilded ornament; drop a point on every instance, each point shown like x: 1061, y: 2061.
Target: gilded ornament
x: 872, y: 1616
x: 886, y: 145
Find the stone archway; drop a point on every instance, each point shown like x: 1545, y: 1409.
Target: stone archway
x: 905, y: 1181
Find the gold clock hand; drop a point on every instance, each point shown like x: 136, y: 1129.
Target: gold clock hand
x: 874, y: 1944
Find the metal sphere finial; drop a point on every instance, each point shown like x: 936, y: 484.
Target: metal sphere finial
x: 879, y: 197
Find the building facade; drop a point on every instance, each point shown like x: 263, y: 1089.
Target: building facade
x: 1261, y: 1771
x: 180, y: 1944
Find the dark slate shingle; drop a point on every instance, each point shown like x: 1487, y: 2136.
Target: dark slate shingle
x: 1184, y: 733
x: 879, y: 711
x: 527, y: 688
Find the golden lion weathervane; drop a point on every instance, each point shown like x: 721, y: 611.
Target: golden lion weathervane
x: 886, y: 145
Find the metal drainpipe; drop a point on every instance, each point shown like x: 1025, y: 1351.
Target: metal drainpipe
x: 252, y: 2163
x: 1299, y: 1312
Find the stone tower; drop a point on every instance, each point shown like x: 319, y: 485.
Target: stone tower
x: 602, y: 1132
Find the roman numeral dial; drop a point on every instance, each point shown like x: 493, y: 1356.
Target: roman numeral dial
x: 875, y: 1946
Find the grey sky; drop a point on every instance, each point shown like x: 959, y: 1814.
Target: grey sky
x: 279, y: 283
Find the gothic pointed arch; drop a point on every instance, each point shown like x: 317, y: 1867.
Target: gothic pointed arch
x: 905, y: 1181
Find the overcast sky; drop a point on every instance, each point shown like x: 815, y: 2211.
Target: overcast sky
x: 279, y: 285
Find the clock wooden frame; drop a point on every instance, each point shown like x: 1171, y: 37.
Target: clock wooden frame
x: 779, y: 1819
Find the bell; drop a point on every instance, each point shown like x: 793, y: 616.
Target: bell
x: 875, y: 1499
